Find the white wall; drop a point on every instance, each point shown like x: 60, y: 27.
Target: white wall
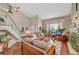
x: 4, y: 5
x: 20, y: 19
x: 66, y: 20
x: 35, y: 21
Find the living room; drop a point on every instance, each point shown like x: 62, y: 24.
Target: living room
x: 38, y: 28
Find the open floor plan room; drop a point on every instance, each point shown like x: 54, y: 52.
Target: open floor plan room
x: 39, y: 28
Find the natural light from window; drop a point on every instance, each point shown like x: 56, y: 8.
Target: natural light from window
x: 55, y: 26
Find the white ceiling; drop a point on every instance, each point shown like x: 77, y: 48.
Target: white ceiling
x: 45, y: 10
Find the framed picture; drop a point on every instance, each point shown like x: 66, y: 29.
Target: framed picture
x: 3, y: 13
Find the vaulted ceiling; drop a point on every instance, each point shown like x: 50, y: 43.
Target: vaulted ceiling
x: 45, y: 10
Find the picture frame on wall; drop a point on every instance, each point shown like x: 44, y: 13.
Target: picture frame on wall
x: 3, y: 13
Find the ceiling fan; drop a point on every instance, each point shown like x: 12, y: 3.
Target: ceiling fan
x: 13, y: 9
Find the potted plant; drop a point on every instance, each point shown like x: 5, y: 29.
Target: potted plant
x: 3, y: 37
x: 59, y: 31
x: 74, y: 40
x: 3, y: 40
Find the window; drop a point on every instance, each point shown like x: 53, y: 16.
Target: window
x: 53, y: 27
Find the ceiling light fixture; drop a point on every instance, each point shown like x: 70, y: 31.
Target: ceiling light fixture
x: 13, y: 9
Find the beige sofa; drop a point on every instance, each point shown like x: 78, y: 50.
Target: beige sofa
x: 29, y: 49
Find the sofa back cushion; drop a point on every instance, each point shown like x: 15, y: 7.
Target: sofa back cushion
x: 39, y: 44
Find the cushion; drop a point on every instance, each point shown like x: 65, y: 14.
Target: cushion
x: 47, y: 39
x: 39, y: 44
x: 50, y: 43
x: 29, y: 40
x: 51, y: 50
x: 41, y: 37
